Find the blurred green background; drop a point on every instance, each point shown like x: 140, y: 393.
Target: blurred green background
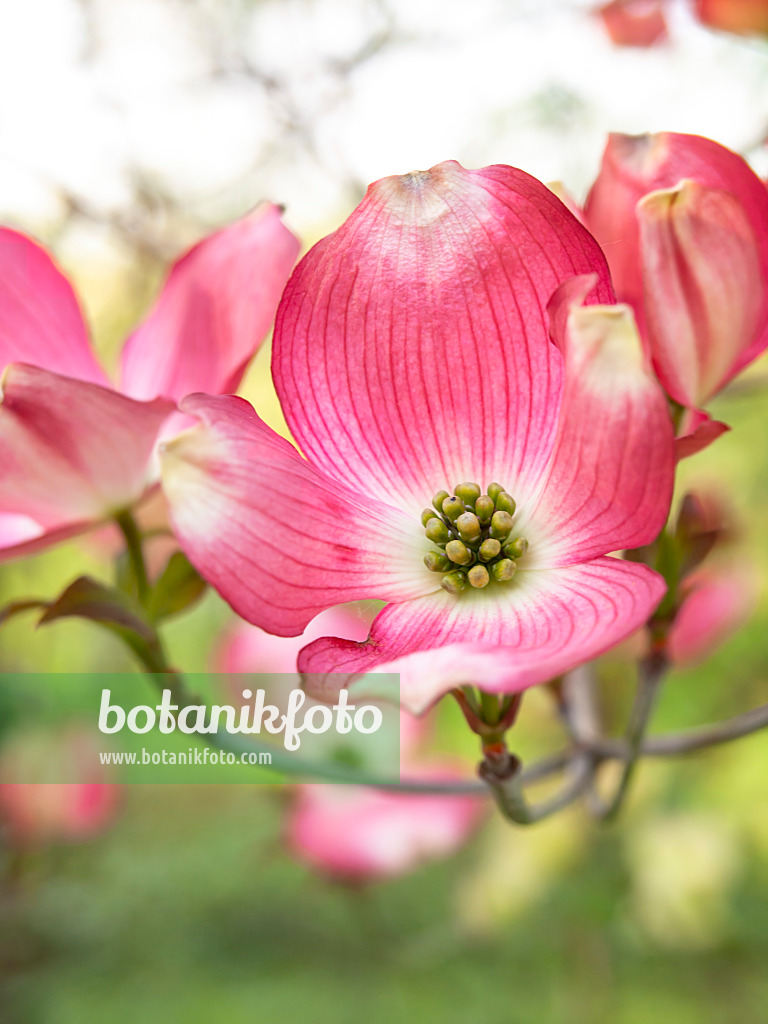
x: 188, y: 908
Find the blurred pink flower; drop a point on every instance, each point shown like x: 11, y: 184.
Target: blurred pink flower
x: 412, y: 351
x: 360, y: 834
x: 639, y: 23
x: 37, y: 813
x: 744, y: 17
x: 74, y: 450
x: 684, y: 226
x: 351, y: 832
x: 715, y: 604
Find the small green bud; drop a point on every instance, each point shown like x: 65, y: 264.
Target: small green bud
x: 494, y: 490
x: 501, y: 525
x: 478, y: 577
x: 506, y: 503
x: 438, y: 500
x: 437, y: 531
x: 454, y: 582
x: 484, y: 509
x: 504, y: 570
x: 468, y: 526
x: 468, y: 492
x: 458, y: 552
x: 435, y: 561
x: 489, y: 549
x: 516, y: 548
x: 426, y: 515
x: 453, y: 507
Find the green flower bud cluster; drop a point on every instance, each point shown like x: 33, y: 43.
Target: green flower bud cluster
x: 475, y: 535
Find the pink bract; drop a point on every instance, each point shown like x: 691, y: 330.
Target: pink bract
x: 683, y: 222
x: 37, y: 813
x: 745, y: 17
x: 640, y: 23
x: 412, y: 352
x: 365, y: 835
x: 715, y: 605
x: 73, y: 450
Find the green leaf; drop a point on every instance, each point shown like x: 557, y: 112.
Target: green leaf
x: 88, y: 599
x: 178, y: 588
x: 114, y: 611
x: 17, y: 607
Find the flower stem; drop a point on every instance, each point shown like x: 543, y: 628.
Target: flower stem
x: 651, y: 672
x: 151, y: 655
x: 690, y: 741
x: 133, y: 547
x: 503, y: 774
x: 490, y: 707
x: 501, y: 771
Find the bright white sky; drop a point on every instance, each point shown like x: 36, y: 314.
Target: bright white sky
x: 95, y: 93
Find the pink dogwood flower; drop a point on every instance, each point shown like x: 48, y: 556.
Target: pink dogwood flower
x: 363, y: 835
x: 32, y: 813
x: 640, y: 23
x: 348, y: 832
x: 37, y: 813
x: 74, y: 450
x: 715, y: 604
x: 744, y: 17
x: 684, y: 226
x: 413, y: 361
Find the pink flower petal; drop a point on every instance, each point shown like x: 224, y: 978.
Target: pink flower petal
x: 543, y: 623
x: 703, y: 287
x: 639, y: 23
x: 610, y: 480
x: 411, y: 346
x: 21, y: 536
x: 697, y: 432
x: 215, y: 309
x: 363, y: 835
x: 71, y: 452
x: 277, y: 538
x: 40, y: 319
x: 745, y: 17
x: 567, y: 199
x: 37, y: 813
x: 246, y: 648
x: 632, y: 167
x: 715, y: 606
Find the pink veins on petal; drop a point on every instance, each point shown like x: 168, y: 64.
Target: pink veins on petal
x: 440, y: 338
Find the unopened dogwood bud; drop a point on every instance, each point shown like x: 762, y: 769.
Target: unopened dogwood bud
x: 454, y: 582
x: 516, y: 548
x: 478, y: 577
x: 489, y: 549
x: 468, y: 526
x: 453, y: 507
x: 468, y: 492
x: 437, y: 531
x: 501, y: 525
x: 506, y: 503
x: 458, y: 552
x: 503, y: 570
x: 435, y: 561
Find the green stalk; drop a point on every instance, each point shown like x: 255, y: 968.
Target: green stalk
x: 133, y: 546
x: 651, y: 673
